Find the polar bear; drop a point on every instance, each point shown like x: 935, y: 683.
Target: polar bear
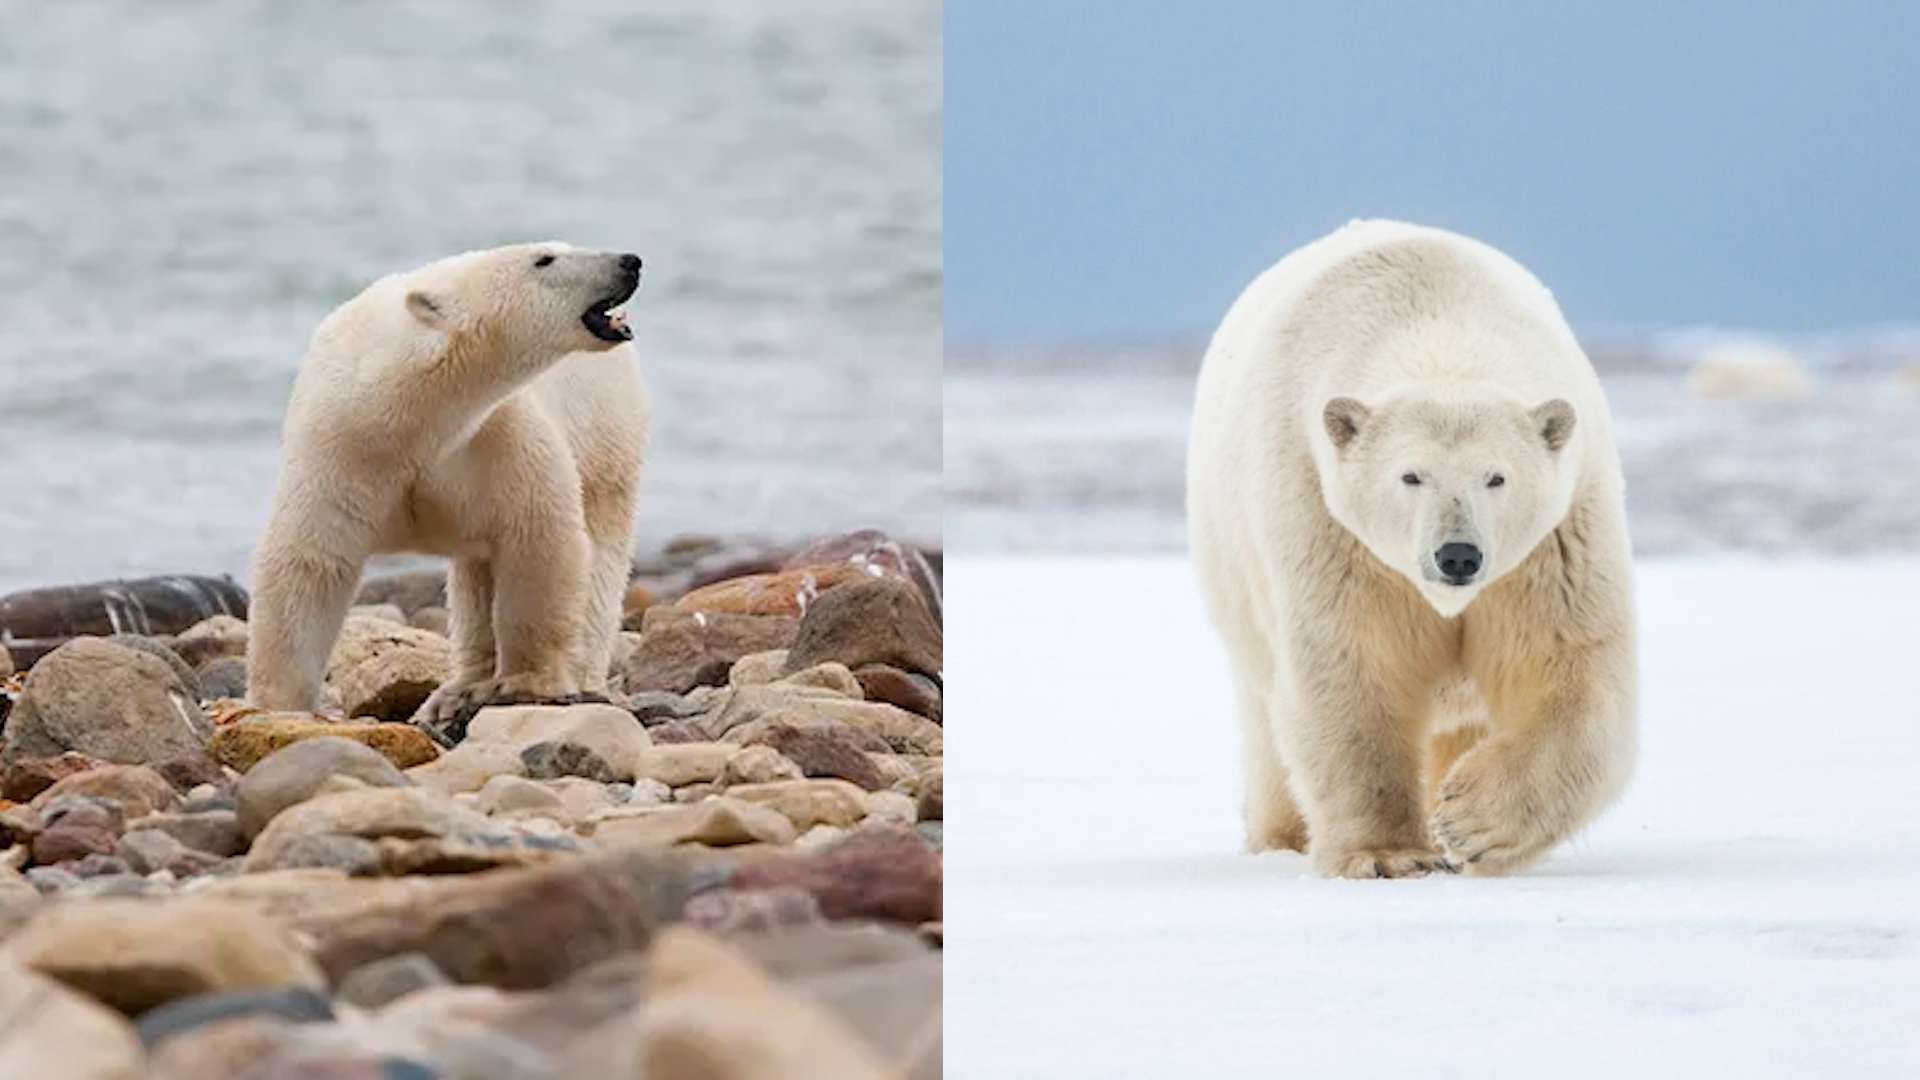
x: 488, y: 408
x: 1408, y: 519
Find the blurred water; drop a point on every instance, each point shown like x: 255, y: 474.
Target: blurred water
x: 187, y: 187
x: 1087, y: 453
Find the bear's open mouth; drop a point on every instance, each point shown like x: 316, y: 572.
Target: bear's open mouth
x: 604, y: 321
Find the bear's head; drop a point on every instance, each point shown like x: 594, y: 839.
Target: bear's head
x: 546, y: 299
x: 1451, y: 490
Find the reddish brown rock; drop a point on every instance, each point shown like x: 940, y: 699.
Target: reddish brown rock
x: 914, y: 693
x: 823, y: 751
x: 789, y: 592
x: 679, y: 650
x: 887, y: 874
x: 242, y: 744
x: 137, y: 790
x: 880, y: 621
x: 518, y: 929
x: 28, y: 777
x: 874, y: 551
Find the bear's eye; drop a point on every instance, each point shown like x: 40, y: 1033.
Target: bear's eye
x: 544, y: 260
x: 1411, y: 479
x: 1496, y: 480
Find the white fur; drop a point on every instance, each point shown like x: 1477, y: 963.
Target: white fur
x: 1393, y: 723
x: 460, y: 409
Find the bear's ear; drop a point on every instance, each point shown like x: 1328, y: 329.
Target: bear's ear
x: 428, y: 308
x: 1554, y: 422
x: 1343, y: 417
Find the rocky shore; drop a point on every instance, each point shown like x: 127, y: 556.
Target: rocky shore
x: 729, y: 869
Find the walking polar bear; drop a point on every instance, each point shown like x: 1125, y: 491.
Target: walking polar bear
x: 1408, y: 518
x: 487, y: 408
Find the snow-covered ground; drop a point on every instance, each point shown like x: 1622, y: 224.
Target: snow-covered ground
x: 1750, y: 908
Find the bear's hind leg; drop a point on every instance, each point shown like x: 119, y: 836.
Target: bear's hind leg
x: 470, y: 617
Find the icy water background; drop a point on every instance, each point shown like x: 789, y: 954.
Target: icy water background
x: 187, y: 188
x: 1084, y: 450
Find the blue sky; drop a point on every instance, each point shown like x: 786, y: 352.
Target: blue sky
x: 1118, y: 170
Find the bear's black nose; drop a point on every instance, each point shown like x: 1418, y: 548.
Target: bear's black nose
x: 630, y: 263
x: 1458, y: 562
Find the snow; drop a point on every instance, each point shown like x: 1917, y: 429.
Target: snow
x: 1750, y: 908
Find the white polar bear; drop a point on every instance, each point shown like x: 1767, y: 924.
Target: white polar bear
x: 488, y: 408
x: 1408, y: 518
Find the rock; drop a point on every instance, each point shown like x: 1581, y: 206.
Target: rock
x: 807, y: 803
x: 107, y: 701
x: 192, y: 771
x: 48, y: 1031
x: 82, y: 828
x: 385, y: 669
x: 516, y: 795
x: 658, y: 706
x: 727, y: 912
x: 52, y: 880
x: 468, y: 852
x: 218, y: 637
x: 390, y: 978
x: 884, y: 982
x: 680, y: 650
x: 135, y: 955
x: 748, y: 711
x: 216, y: 832
x: 693, y: 793
x: 710, y: 1012
x: 38, y: 620
x: 881, y: 621
x: 886, y: 874
x: 716, y: 822
x: 369, y: 813
x: 518, y: 929
x: 677, y: 732
x: 892, y: 808
x: 914, y: 693
x: 830, y: 676
x: 244, y: 743
x: 878, y: 554
x: 787, y: 592
x: 822, y: 750
x: 930, y: 804
x: 101, y: 865
x: 689, y: 763
x: 468, y: 767
x: 608, y: 731
x: 147, y: 851
x: 933, y: 832
x: 293, y: 1004
x: 224, y: 678
x: 27, y: 777
x: 136, y: 789
x: 350, y: 855
x: 759, y: 765
x: 296, y: 773
x: 156, y: 648
x: 409, y: 591
x: 552, y: 760
x: 756, y: 669
x: 434, y: 620
x: 649, y: 793
x: 389, y: 613
x: 15, y: 893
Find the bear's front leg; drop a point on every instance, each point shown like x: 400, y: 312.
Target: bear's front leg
x: 1356, y: 762
x: 300, y: 599
x: 1554, y: 761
